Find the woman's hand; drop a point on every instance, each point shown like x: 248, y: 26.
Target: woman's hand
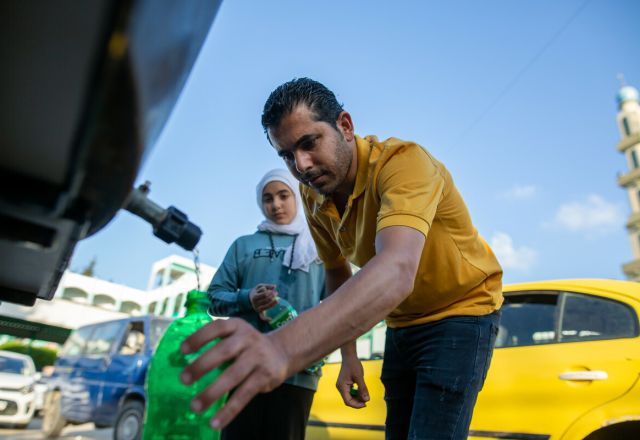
x: 263, y: 297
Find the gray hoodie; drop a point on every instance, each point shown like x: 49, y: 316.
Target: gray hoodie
x: 250, y: 261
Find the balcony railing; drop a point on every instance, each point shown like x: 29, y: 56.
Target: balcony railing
x: 634, y: 221
x: 627, y: 178
x: 632, y: 269
x: 629, y: 141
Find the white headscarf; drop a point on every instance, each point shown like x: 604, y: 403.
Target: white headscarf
x: 305, y: 251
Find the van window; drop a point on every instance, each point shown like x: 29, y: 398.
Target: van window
x: 103, y: 338
x: 133, y: 340
x: 158, y: 327
x: 76, y: 344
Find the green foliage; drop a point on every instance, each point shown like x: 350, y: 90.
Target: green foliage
x: 41, y: 356
x: 89, y: 271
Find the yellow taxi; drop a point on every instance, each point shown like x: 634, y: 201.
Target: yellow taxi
x: 566, y: 366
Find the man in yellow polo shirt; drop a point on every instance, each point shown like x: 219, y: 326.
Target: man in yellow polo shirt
x: 392, y: 209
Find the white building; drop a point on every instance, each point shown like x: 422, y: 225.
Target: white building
x: 82, y: 300
x: 169, y: 281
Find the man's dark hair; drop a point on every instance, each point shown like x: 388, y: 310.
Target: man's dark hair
x: 320, y: 100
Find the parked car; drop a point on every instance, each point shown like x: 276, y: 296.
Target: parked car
x: 17, y: 396
x: 40, y: 388
x: 566, y: 367
x: 99, y: 376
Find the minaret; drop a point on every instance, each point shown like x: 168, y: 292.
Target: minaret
x: 629, y: 125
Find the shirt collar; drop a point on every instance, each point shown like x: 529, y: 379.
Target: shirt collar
x: 364, y: 149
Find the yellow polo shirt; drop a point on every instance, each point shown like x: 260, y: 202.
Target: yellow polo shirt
x: 398, y: 183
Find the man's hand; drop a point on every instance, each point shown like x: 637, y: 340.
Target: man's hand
x: 263, y: 297
x: 258, y: 365
x: 261, y: 362
x: 351, y: 373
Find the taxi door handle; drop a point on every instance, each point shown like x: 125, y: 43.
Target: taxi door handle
x: 584, y: 375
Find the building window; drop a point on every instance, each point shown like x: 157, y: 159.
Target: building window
x: 130, y: 307
x: 74, y: 294
x: 157, y: 282
x: 163, y: 310
x: 634, y: 159
x: 625, y: 124
x: 178, y: 304
x: 104, y: 301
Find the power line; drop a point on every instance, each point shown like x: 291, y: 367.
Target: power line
x: 524, y: 69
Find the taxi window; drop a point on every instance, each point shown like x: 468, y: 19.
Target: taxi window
x: 588, y: 317
x: 527, y: 319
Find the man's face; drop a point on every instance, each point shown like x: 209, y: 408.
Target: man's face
x: 315, y: 152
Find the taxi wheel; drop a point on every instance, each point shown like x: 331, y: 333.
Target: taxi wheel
x: 52, y: 422
x: 129, y: 422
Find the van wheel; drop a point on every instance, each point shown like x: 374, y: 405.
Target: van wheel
x: 52, y: 422
x: 129, y: 422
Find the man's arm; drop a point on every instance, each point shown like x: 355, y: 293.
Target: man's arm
x: 262, y: 362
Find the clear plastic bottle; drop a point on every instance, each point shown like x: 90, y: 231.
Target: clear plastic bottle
x: 279, y: 315
x: 168, y: 413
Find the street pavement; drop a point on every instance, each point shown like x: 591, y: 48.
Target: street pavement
x: 71, y: 432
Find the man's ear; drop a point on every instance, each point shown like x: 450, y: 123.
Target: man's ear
x: 345, y: 126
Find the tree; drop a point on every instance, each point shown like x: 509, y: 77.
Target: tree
x: 42, y: 356
x: 89, y: 271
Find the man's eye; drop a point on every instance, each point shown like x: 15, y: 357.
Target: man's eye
x: 308, y: 145
x: 287, y: 156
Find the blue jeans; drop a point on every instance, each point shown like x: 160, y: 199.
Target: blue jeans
x: 432, y: 374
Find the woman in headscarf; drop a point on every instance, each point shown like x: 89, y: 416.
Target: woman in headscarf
x: 277, y: 261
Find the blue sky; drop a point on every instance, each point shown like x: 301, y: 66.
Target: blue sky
x: 516, y: 98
